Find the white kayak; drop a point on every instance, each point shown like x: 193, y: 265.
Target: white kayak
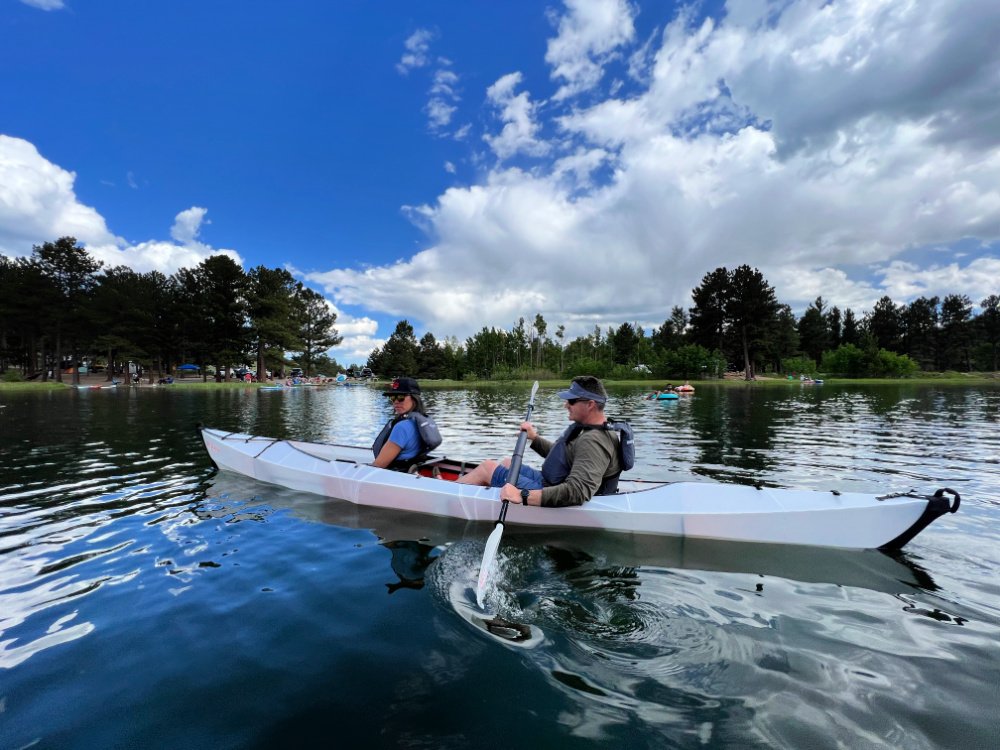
x: 702, y: 510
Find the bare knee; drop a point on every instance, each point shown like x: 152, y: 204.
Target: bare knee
x: 482, y: 474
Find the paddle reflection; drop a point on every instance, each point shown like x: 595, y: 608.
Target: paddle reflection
x: 410, y: 560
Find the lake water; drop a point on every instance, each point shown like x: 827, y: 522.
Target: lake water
x: 146, y: 601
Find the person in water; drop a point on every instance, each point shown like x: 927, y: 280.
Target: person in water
x: 585, y: 461
x: 410, y: 435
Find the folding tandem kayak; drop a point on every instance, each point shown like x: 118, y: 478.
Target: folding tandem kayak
x: 702, y: 510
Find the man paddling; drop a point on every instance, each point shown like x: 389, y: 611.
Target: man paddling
x: 585, y: 461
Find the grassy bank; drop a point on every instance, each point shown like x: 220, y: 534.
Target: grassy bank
x: 32, y: 386
x: 928, y: 378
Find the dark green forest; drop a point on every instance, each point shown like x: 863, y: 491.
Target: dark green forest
x: 735, y: 324
x: 60, y: 307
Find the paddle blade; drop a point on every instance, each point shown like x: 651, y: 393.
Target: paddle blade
x: 489, y: 553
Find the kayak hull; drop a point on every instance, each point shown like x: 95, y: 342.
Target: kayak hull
x: 684, y: 509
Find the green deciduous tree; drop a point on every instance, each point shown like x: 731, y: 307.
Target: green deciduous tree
x: 689, y: 361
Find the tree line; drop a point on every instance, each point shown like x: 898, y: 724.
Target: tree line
x: 60, y: 307
x: 735, y: 324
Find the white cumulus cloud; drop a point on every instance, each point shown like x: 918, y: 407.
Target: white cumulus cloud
x: 417, y: 47
x: 38, y: 204
x: 590, y: 33
x: 517, y: 112
x: 824, y: 143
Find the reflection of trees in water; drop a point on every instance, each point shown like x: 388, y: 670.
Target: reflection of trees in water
x: 890, y: 399
x: 916, y: 401
x: 736, y: 429
x: 584, y: 574
x: 496, y: 403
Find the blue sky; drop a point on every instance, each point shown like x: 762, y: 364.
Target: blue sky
x: 465, y: 164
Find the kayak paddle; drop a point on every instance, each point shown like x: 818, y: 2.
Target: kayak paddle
x: 513, y: 475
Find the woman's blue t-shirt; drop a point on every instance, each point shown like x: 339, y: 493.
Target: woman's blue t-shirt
x: 407, y: 437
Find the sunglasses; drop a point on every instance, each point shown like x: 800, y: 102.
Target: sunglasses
x: 397, y: 399
x: 574, y: 401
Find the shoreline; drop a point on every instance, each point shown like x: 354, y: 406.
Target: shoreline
x: 980, y: 378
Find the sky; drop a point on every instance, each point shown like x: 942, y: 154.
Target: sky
x: 463, y: 165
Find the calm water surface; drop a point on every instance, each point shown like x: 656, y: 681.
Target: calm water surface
x: 146, y: 601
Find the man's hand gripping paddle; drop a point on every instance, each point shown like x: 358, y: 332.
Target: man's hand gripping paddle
x: 513, y: 476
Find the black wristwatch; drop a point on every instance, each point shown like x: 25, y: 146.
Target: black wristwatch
x: 524, y: 497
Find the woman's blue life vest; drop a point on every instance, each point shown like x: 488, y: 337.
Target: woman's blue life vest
x: 556, y: 467
x: 430, y: 437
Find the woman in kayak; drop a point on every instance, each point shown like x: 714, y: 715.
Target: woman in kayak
x: 410, y: 435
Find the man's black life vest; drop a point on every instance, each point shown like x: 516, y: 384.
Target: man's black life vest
x: 556, y: 467
x: 430, y: 438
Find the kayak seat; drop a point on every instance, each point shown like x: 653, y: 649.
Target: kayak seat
x: 444, y: 468
x: 427, y: 469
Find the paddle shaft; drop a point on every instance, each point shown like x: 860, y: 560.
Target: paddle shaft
x: 514, y: 474
x: 493, y: 542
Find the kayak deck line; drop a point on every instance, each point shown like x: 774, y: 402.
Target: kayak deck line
x: 705, y: 510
